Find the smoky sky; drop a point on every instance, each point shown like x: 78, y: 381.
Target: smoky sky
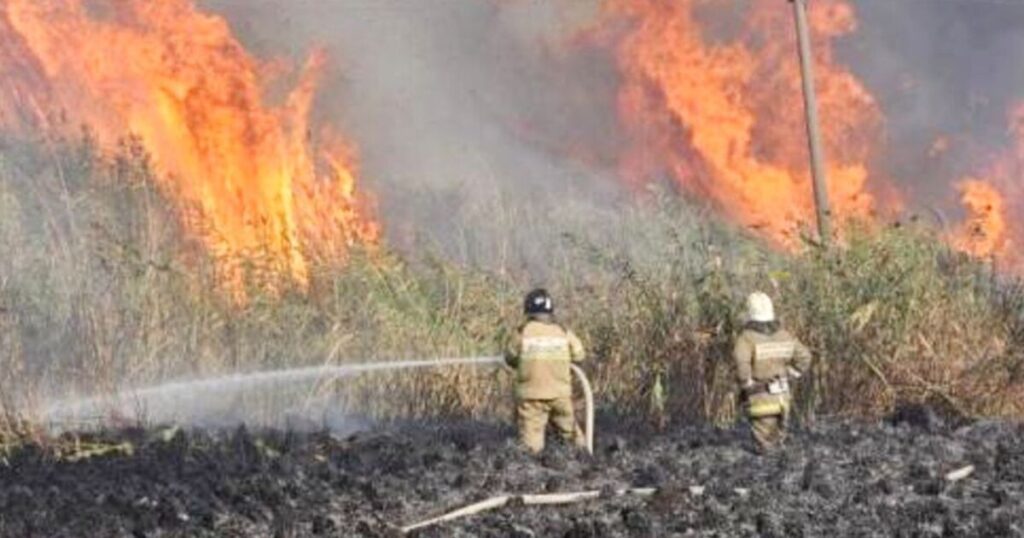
x: 442, y: 92
x: 455, y: 101
x: 459, y: 108
x: 940, y: 68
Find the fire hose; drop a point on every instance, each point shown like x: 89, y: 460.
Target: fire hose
x: 548, y: 499
x: 326, y: 372
x: 578, y: 373
x: 178, y: 391
x: 525, y: 500
x: 588, y: 397
x: 539, y: 499
x: 588, y: 401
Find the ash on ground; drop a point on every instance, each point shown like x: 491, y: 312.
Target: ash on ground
x: 835, y: 479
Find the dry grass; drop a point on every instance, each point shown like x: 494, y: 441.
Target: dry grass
x: 100, y: 289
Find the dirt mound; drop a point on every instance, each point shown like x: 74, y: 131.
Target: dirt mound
x: 841, y: 479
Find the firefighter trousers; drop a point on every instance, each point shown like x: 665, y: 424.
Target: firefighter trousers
x: 769, y: 417
x: 769, y: 432
x: 533, y: 417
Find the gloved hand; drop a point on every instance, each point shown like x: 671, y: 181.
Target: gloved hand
x: 751, y: 389
x: 745, y: 391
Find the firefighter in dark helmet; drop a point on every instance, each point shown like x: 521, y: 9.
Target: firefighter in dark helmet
x: 768, y: 359
x: 542, y: 351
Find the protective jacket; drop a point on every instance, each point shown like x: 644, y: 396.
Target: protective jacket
x: 542, y: 351
x: 765, y: 364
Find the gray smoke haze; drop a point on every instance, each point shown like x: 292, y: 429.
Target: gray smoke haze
x: 465, y: 113
x: 473, y: 116
x: 946, y: 68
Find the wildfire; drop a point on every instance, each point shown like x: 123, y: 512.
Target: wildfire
x: 260, y: 181
x: 722, y: 111
x: 984, y: 232
x: 990, y: 202
x: 710, y: 94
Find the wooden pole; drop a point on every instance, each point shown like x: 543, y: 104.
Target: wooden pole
x: 821, y: 201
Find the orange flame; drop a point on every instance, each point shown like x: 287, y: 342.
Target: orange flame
x: 724, y: 114
x: 178, y: 79
x: 990, y: 202
x: 984, y: 233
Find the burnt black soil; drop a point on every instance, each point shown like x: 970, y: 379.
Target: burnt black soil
x: 837, y: 479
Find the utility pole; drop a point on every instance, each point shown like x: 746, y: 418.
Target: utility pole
x: 821, y: 202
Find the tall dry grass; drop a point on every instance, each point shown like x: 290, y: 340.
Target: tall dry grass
x: 101, y: 289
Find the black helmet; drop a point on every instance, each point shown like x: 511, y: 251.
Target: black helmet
x: 538, y: 302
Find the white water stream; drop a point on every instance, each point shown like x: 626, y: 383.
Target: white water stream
x: 216, y: 399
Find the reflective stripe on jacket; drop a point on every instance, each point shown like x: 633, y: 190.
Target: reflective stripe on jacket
x: 541, y: 352
x: 764, y: 358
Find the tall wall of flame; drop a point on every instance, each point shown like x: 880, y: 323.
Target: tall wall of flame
x: 705, y: 92
x: 260, y: 179
x: 723, y: 113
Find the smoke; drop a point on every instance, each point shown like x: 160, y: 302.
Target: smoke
x: 487, y: 132
x: 475, y: 117
x: 944, y: 73
x: 481, y: 131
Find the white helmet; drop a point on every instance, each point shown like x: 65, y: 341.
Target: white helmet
x: 760, y: 308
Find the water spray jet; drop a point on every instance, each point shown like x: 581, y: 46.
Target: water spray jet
x: 176, y: 393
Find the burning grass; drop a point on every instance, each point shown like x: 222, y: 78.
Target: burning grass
x: 101, y: 289
x: 254, y: 175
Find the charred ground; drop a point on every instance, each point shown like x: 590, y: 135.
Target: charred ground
x: 840, y: 478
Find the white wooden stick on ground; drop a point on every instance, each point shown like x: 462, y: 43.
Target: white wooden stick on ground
x: 528, y: 500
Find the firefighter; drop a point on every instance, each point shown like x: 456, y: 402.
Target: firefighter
x: 768, y: 360
x: 541, y: 352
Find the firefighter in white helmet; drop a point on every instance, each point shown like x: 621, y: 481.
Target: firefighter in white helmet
x: 768, y: 359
